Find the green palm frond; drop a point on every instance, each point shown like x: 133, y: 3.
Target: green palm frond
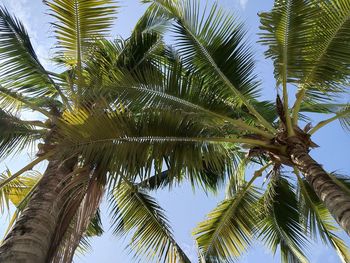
x: 13, y: 101
x: 284, y: 33
x: 229, y: 229
x: 15, y: 134
x: 135, y: 141
x: 327, y: 60
x: 212, y: 45
x: 313, y: 36
x: 95, y: 226
x: 152, y: 21
x: 284, y: 28
x: 20, y: 68
x: 208, y: 179
x: 16, y: 192
x: 317, y: 218
x: 181, y: 89
x: 135, y: 212
x: 141, y: 51
x: 158, y: 181
x: 329, y: 54
x: 129, y: 62
x: 279, y: 224
x: 79, y: 23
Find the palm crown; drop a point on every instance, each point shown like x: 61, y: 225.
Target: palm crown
x: 123, y: 110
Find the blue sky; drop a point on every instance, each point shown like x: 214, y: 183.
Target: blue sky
x: 184, y: 208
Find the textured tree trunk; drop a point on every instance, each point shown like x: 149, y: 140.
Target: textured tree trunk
x: 29, y: 241
x: 334, y: 197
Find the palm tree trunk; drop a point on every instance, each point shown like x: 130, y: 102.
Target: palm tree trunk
x: 332, y: 195
x: 29, y: 240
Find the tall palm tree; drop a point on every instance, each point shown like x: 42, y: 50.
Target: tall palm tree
x: 122, y: 110
x: 58, y: 211
x: 308, y: 43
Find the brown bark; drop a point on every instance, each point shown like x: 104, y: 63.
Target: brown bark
x: 29, y: 240
x: 333, y: 196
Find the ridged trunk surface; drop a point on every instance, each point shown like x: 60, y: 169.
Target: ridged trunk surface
x: 333, y: 196
x: 29, y: 240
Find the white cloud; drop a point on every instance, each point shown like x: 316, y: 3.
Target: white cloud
x: 243, y: 3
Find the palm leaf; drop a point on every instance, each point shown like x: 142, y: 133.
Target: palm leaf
x: 17, y: 191
x: 330, y: 55
x: 229, y: 228
x: 185, y: 90
x: 279, y: 225
x: 20, y: 68
x: 138, y: 213
x: 137, y: 142
x: 285, y: 26
x: 313, y: 36
x: 93, y: 230
x: 284, y: 33
x: 78, y: 24
x: 15, y: 135
x: 212, y: 45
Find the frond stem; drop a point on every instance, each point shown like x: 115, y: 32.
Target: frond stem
x: 297, y: 105
x: 327, y: 121
x: 230, y: 211
x: 153, y: 139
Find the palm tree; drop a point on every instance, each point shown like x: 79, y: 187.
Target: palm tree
x: 308, y: 43
x: 123, y: 110
x: 58, y: 211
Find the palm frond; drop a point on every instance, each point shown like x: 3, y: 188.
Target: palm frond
x: 237, y: 179
x: 20, y: 68
x: 329, y: 54
x: 136, y: 212
x: 135, y: 142
x: 279, y: 225
x: 228, y: 230
x: 93, y: 230
x: 152, y: 21
x: 313, y: 36
x: 212, y: 45
x: 284, y: 28
x: 185, y: 90
x: 284, y: 33
x: 15, y: 135
x: 327, y: 57
x: 17, y: 190
x: 157, y: 181
x: 78, y: 24
x: 129, y: 62
x: 13, y: 101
